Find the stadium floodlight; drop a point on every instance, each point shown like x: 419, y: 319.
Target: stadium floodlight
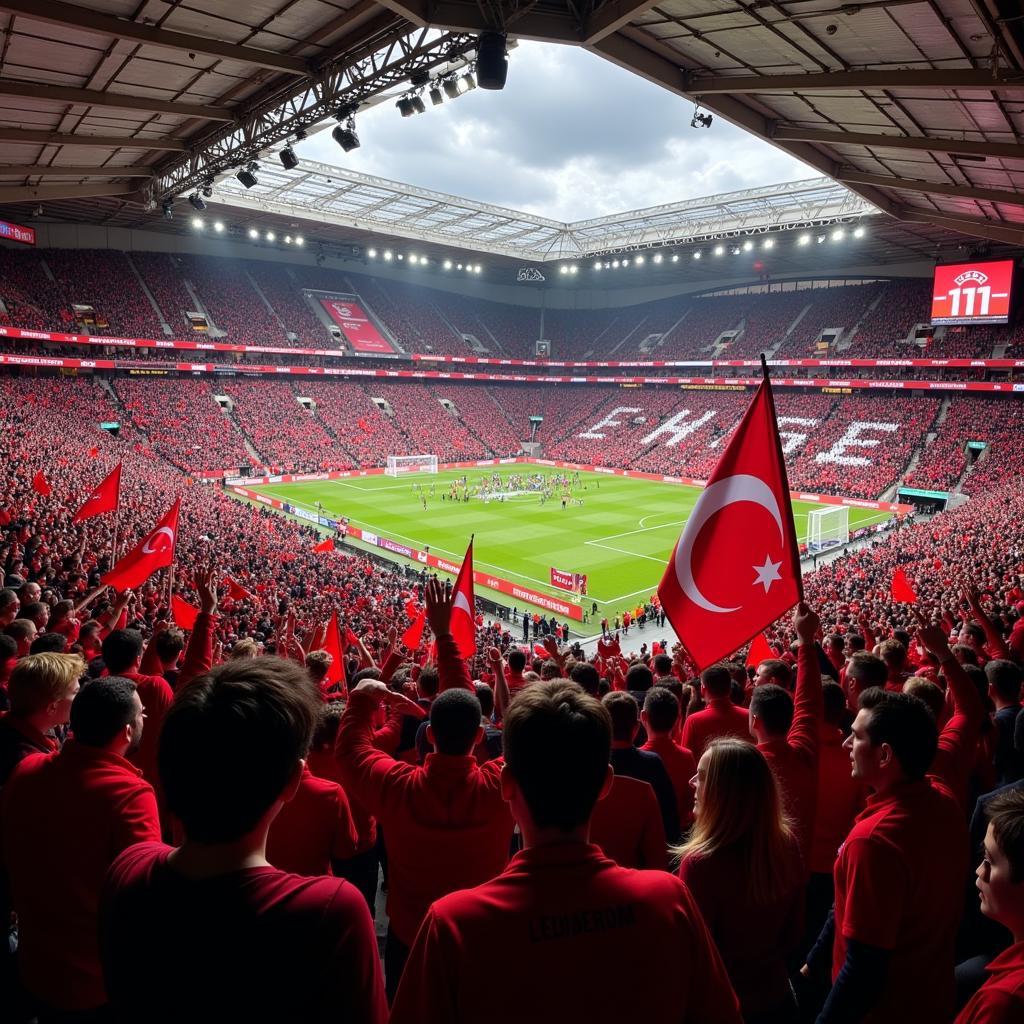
x: 436, y: 96
x: 245, y: 176
x: 345, y: 135
x: 405, y: 107
x: 414, y: 259
x: 700, y: 120
x: 372, y: 253
x: 615, y: 264
x: 387, y: 255
x: 657, y: 257
x: 197, y: 223
x: 572, y: 270
x: 564, y: 269
x: 748, y: 245
x: 447, y: 264
x: 196, y: 202
x: 821, y: 238
x: 458, y: 266
x: 697, y: 254
x: 719, y: 250
x: 491, y: 60
x: 858, y: 232
x: 838, y: 235
x: 675, y: 257
x: 804, y: 240
x: 287, y: 239
x: 401, y: 256
x: 467, y: 82
x: 253, y: 233
x: 417, y: 104
x: 769, y: 243
x: 168, y: 209
x: 639, y: 261
x: 289, y: 161
x: 299, y: 240
x: 271, y: 237
x: 735, y: 250
x: 451, y: 88
x: 208, y: 189
x: 625, y: 263
x: 479, y: 269
x: 218, y: 225
x: 597, y: 265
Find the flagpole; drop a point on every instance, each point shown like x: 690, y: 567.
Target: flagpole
x: 170, y: 586
x: 113, y: 543
x: 797, y: 572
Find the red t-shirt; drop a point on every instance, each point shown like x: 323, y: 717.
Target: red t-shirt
x: 899, y: 886
x: 65, y: 818
x: 628, y: 826
x: 156, y: 696
x: 1001, y: 999
x: 840, y: 799
x: 312, y: 829
x: 323, y: 765
x: 561, y: 915
x: 720, y: 718
x: 252, y: 945
x: 681, y: 766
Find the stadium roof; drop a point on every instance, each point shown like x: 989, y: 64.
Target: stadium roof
x: 916, y: 105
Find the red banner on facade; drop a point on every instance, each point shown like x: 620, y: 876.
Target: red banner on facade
x: 17, y: 233
x: 360, y: 333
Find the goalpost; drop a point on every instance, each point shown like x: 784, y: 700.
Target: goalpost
x: 410, y: 464
x: 827, y: 527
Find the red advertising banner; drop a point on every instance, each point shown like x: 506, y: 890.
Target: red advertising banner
x: 360, y: 333
x: 573, y: 581
x: 972, y: 293
x: 17, y: 233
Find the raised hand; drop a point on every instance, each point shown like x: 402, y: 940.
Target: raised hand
x: 206, y: 587
x: 806, y: 623
x: 438, y: 606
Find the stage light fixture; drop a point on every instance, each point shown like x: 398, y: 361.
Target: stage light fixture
x: 253, y: 234
x: 563, y: 269
x: 417, y: 104
x: 838, y: 235
x: 458, y: 266
x: 748, y: 245
x: 345, y: 135
x: 451, y: 88
x: 271, y: 237
x: 447, y: 264
x: 387, y: 255
x: 657, y: 257
x: 821, y: 238
x: 719, y: 250
x: 405, y: 107
x: 197, y: 223
x: 804, y: 240
x: 208, y: 190
x: 597, y: 265
x: 735, y: 250
x: 639, y: 261
x: 572, y: 270
x: 697, y: 255
x: 196, y: 202
x: 414, y: 259
x: 769, y: 243
x: 168, y: 209
x: 436, y: 96
x: 675, y: 257
x: 467, y: 82
x: 289, y: 161
x: 246, y: 177
x: 701, y: 120
x: 625, y: 263
x: 218, y: 225
x: 858, y: 232
x: 299, y: 240
x: 372, y: 253
x: 491, y: 60
x: 479, y: 269
x: 287, y: 239
x: 615, y: 264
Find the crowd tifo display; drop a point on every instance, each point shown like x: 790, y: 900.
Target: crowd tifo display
x: 249, y: 302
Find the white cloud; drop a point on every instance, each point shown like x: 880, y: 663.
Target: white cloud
x: 570, y: 137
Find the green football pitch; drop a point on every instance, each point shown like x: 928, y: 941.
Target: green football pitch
x: 621, y: 535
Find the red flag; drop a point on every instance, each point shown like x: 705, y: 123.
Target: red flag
x: 760, y: 650
x: 236, y: 591
x: 736, y: 565
x: 325, y: 545
x: 40, y: 486
x: 414, y: 634
x: 412, y: 609
x: 901, y: 588
x: 351, y: 640
x: 541, y: 652
x: 463, y: 626
x: 185, y: 614
x: 104, y: 499
x: 154, y: 551
x: 332, y: 644
x: 93, y: 452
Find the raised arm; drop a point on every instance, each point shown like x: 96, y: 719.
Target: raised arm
x: 451, y: 666
x: 808, y: 706
x: 199, y: 653
x: 994, y: 639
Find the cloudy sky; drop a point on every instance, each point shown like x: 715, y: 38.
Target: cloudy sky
x: 571, y: 136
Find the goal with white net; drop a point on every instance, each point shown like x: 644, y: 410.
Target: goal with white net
x: 827, y: 527
x: 410, y: 464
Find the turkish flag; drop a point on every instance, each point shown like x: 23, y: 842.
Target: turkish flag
x: 154, y: 551
x: 736, y: 566
x: 414, y: 634
x: 324, y: 545
x: 463, y: 626
x: 236, y: 591
x: 759, y: 651
x: 40, y: 485
x: 104, y: 499
x: 901, y: 588
x: 184, y: 614
x: 332, y: 644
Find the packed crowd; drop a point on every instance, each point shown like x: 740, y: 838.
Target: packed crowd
x: 221, y: 804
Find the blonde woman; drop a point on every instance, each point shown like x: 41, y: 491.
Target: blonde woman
x: 742, y: 863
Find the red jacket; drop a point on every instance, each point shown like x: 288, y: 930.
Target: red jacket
x: 720, y: 718
x: 446, y: 823
x: 65, y: 819
x: 628, y: 827
x: 681, y: 766
x: 840, y: 799
x: 562, y: 915
x: 794, y: 757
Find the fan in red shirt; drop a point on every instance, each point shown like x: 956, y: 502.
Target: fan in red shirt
x: 659, y: 717
x: 898, y: 876
x: 66, y: 817
x: 445, y: 823
x: 720, y: 718
x: 1000, y: 882
x: 210, y: 930
x: 561, y: 910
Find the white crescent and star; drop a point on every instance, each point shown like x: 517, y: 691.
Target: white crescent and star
x: 149, y: 549
x: 713, y: 499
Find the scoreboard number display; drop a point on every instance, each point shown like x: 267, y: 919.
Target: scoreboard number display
x: 972, y: 293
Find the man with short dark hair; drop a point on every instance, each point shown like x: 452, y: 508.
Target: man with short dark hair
x: 659, y: 716
x: 561, y: 909
x: 863, y: 671
x: 66, y: 817
x: 9, y: 607
x: 720, y: 718
x: 445, y: 822
x: 1000, y: 883
x: 23, y: 633
x: 210, y: 930
x: 775, y: 671
x: 1004, y: 679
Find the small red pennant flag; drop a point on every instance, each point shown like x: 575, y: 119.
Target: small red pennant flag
x: 414, y: 634
x: 40, y: 485
x: 154, y: 551
x: 105, y: 498
x: 324, y: 545
x: 901, y: 588
x: 332, y: 644
x: 184, y: 614
x: 760, y: 650
x: 236, y: 591
x: 351, y: 640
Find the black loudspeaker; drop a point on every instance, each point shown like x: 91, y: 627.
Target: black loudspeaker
x: 491, y: 61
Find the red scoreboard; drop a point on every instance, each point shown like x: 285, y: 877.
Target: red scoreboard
x: 972, y: 293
